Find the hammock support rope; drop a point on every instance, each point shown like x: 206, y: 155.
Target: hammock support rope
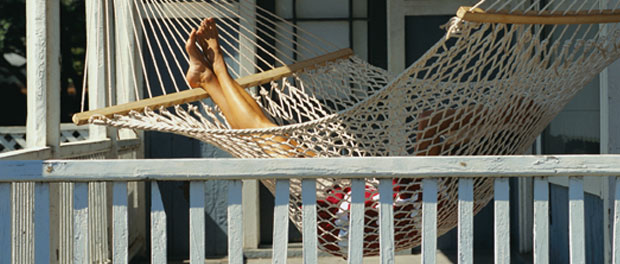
x: 504, y: 70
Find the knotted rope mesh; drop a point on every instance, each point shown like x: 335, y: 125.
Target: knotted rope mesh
x: 484, y: 89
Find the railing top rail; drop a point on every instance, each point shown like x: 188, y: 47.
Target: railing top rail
x: 368, y: 167
x: 22, y: 129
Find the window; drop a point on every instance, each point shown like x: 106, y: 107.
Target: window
x: 343, y: 23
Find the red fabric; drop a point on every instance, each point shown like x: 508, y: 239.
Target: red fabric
x: 329, y: 208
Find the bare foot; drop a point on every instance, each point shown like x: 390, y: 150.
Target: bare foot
x: 208, y: 38
x: 238, y: 106
x: 199, y: 71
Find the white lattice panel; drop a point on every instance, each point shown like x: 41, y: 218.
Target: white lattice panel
x: 14, y: 138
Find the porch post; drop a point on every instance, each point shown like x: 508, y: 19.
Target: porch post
x: 43, y: 104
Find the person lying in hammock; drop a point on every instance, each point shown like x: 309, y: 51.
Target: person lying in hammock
x: 208, y: 70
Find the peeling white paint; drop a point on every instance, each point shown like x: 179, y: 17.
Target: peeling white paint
x: 502, y: 221
x: 466, y: 221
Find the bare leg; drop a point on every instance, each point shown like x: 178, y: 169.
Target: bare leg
x: 237, y: 105
x: 209, y: 71
x: 200, y: 74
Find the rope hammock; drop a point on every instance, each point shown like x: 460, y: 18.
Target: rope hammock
x: 503, y: 71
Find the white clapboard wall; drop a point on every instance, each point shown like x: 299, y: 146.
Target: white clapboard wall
x: 38, y: 175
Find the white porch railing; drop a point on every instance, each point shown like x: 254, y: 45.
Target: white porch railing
x: 81, y: 173
x: 14, y: 137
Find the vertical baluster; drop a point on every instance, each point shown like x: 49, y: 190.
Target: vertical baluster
x: 466, y: 221
x: 80, y: 223
x: 235, y: 222
x: 280, y: 222
x: 197, y: 222
x: 158, y: 227
x: 502, y: 220
x: 5, y: 223
x: 429, y: 220
x: 576, y: 220
x: 23, y: 223
x: 120, y: 233
x: 356, y: 221
x: 251, y: 213
x: 386, y: 220
x: 308, y: 193
x: 616, y: 231
x: 98, y: 221
x: 65, y: 216
x: 541, y: 220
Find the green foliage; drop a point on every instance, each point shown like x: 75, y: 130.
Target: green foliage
x: 13, y: 26
x: 72, y: 52
x: 13, y: 36
x: 73, y: 36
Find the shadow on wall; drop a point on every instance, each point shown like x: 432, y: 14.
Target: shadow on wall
x: 175, y: 195
x: 569, y: 145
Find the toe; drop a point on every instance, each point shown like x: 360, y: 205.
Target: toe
x: 211, y: 23
x: 189, y: 44
x: 211, y: 29
x: 201, y: 38
x: 203, y: 44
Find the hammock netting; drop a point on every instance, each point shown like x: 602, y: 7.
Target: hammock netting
x: 484, y: 89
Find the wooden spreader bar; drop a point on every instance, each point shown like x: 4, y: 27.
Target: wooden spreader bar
x: 199, y: 94
x: 536, y: 17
